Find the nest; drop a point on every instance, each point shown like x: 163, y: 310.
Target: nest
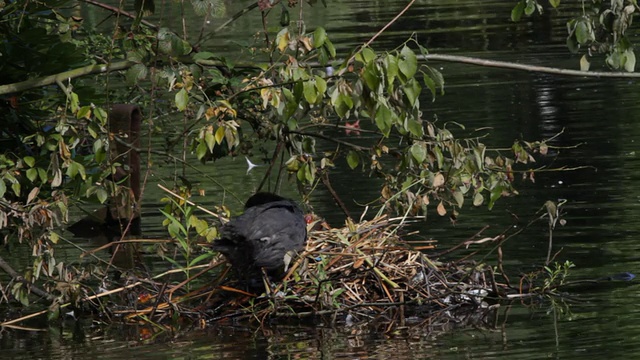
x: 364, y: 268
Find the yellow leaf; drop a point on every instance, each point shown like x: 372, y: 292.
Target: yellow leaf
x: 219, y: 135
x: 283, y: 39
x: 584, y: 63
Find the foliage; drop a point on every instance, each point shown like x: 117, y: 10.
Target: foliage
x: 59, y: 146
x: 546, y: 280
x: 185, y: 227
x: 600, y: 29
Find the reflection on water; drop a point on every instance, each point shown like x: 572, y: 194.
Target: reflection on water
x: 599, y: 128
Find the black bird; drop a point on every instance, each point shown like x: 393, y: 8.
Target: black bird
x: 270, y: 228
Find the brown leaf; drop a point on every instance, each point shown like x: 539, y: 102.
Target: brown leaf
x: 441, y: 210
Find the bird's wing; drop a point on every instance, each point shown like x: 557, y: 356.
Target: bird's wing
x: 275, y: 222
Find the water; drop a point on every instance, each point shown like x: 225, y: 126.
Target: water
x: 598, y: 118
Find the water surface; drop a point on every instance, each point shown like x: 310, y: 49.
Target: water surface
x: 598, y: 121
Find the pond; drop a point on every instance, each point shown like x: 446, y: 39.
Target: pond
x: 594, y: 124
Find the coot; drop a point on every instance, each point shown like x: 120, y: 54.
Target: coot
x: 270, y: 228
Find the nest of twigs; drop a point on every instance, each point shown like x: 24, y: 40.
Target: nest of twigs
x: 366, y: 268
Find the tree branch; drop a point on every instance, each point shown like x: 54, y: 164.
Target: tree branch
x: 524, y: 67
x: 71, y: 74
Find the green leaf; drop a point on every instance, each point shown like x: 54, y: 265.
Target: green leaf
x: 201, y: 150
x: 353, y: 159
x: 431, y: 85
x: 408, y: 63
x: 478, y: 199
x: 366, y: 55
x: 182, y: 99
x: 572, y: 44
x: 391, y: 68
x: 383, y: 119
x: 412, y: 89
x: 310, y: 92
x: 319, y: 37
x: 517, y: 11
x: 200, y: 258
x: 203, y: 55
x: 554, y: 3
x: 458, y: 197
x: 629, y: 60
x: 29, y: 160
x: 102, y: 195
x: 81, y: 171
x: 3, y: 188
x: 415, y: 127
x: 321, y: 85
x: 42, y: 173
x: 343, y: 104
x: 32, y: 174
x: 437, y: 78
x: 419, y: 152
x: 496, y: 193
x: 530, y: 8
x: 371, y: 77
x: 16, y: 188
x: 478, y: 154
x: 216, y: 77
x: 301, y: 173
x: 210, y: 141
x: 582, y: 32
x: 330, y: 48
x: 177, y: 229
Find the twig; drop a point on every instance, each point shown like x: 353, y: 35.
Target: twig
x: 121, y: 12
x: 14, y: 274
x: 333, y: 139
x: 218, y: 216
x: 384, y: 28
x: 327, y: 183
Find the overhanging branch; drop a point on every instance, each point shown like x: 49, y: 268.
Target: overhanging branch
x: 71, y: 74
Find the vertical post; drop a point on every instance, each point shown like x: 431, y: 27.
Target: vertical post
x: 124, y: 135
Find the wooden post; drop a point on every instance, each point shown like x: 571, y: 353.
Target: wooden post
x: 124, y: 136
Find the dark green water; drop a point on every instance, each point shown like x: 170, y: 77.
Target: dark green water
x: 602, y: 209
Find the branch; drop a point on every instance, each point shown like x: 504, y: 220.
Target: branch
x: 328, y: 138
x: 121, y: 12
x: 524, y: 67
x: 17, y: 277
x: 71, y: 74
x: 96, y: 69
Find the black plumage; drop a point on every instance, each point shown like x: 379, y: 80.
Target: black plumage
x: 270, y: 228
